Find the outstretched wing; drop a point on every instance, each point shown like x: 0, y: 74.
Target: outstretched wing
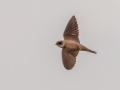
x: 69, y: 59
x: 71, y: 31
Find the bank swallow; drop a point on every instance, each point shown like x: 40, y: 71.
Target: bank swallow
x: 71, y: 44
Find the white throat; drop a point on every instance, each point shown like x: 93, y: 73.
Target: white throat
x: 61, y: 46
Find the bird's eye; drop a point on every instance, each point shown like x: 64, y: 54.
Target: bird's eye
x: 60, y: 43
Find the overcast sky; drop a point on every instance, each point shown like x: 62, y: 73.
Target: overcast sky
x: 29, y: 58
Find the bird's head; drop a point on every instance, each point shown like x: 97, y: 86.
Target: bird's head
x: 60, y: 44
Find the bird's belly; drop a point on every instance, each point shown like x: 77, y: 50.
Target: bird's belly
x: 72, y: 47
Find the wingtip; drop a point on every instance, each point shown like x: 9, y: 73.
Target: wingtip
x: 73, y: 16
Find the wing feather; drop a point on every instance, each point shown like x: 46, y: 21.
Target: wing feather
x: 68, y: 60
x: 71, y: 31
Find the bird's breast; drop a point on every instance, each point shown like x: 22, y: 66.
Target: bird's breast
x: 71, y: 45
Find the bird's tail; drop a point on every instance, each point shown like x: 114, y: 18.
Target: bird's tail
x: 87, y: 49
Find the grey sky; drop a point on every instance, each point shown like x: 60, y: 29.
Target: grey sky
x: 29, y: 59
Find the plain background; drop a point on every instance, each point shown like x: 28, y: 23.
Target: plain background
x: 29, y: 59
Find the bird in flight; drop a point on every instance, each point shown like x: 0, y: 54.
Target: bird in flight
x: 71, y: 44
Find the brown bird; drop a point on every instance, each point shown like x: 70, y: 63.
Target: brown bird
x: 71, y: 44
